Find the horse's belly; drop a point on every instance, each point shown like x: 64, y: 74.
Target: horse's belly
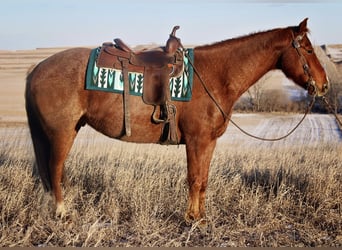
x: 108, y: 118
x: 140, y: 132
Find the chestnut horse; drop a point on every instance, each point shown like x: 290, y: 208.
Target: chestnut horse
x: 58, y: 105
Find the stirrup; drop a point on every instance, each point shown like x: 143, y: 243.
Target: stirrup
x: 155, y: 117
x: 166, y: 110
x: 169, y: 135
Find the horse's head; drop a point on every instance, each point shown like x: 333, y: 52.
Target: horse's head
x: 300, y: 63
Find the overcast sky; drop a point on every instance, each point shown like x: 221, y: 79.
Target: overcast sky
x: 27, y: 24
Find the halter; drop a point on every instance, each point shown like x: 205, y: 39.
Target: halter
x: 311, y: 84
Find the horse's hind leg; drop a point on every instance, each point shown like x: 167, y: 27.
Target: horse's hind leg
x: 60, y: 146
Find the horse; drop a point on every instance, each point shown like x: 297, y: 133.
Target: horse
x: 58, y: 105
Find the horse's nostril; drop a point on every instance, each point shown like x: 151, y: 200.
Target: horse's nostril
x: 326, y: 86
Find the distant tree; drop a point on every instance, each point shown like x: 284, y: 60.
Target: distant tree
x: 255, y: 94
x: 333, y: 68
x: 335, y: 96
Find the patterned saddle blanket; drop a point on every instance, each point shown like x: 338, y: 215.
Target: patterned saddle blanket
x: 111, y: 80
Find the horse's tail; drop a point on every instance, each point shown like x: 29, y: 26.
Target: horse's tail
x: 40, y: 140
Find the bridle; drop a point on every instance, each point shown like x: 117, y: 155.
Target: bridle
x: 311, y: 86
x: 311, y: 83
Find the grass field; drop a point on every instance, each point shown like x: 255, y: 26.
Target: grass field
x: 122, y: 194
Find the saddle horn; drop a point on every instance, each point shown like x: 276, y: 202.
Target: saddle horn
x: 173, y: 42
x: 175, y: 28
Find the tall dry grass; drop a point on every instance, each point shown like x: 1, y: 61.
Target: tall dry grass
x: 122, y: 194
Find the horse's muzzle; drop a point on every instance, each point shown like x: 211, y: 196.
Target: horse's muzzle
x: 313, y: 90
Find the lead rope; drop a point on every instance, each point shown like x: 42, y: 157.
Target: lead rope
x: 225, y: 116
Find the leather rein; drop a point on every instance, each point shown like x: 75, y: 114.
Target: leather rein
x: 310, y: 84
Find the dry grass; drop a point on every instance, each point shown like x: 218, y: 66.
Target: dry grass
x: 121, y: 194
x: 135, y: 195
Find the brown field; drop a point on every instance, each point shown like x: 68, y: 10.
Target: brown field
x: 286, y: 193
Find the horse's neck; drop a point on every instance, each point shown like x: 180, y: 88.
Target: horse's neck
x: 239, y: 63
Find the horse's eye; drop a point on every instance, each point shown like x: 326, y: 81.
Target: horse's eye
x: 310, y: 51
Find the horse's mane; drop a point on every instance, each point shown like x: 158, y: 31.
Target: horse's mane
x: 251, y: 35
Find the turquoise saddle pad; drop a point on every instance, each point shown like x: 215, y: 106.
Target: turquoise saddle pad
x: 111, y: 80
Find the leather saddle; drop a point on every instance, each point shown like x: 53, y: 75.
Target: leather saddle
x: 158, y: 65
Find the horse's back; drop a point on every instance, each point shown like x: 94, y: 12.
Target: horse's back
x: 70, y: 62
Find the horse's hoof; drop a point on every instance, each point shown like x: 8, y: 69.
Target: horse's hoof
x: 60, y: 210
x: 199, y: 222
x: 204, y: 226
x: 189, y: 219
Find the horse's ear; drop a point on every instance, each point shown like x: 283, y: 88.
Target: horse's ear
x: 302, y: 28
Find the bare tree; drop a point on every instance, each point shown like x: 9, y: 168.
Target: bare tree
x: 256, y: 93
x: 332, y: 63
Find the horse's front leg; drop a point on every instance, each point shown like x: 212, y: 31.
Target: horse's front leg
x: 199, y: 154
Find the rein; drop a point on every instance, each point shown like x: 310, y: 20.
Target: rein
x: 330, y: 109
x: 311, y: 83
x: 282, y: 137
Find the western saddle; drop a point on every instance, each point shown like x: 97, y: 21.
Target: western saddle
x: 158, y: 65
